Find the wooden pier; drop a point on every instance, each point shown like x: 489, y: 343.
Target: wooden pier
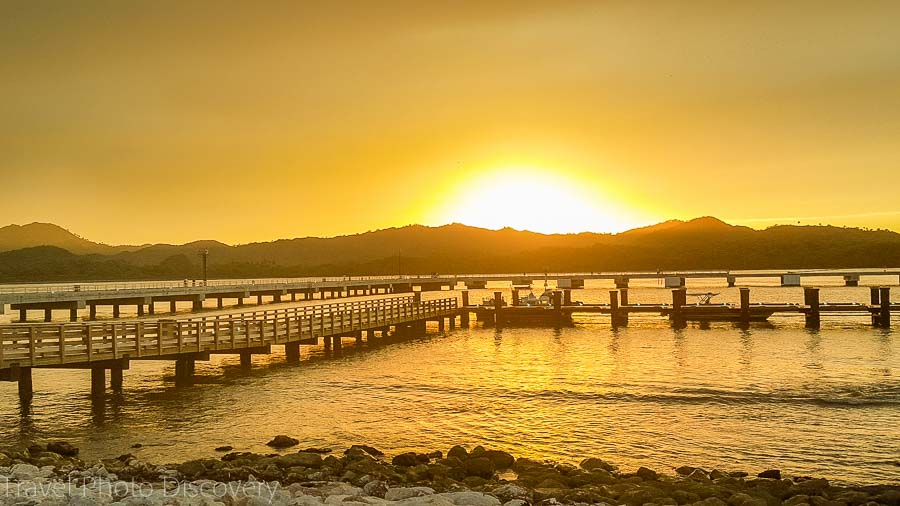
x: 111, y: 346
x: 147, y: 296
x: 679, y: 311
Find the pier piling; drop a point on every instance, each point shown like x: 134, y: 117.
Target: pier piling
x: 811, y: 300
x: 875, y: 300
x: 885, y: 294
x: 745, y: 305
x: 98, y: 381
x: 292, y: 352
x: 614, y: 307
x: 26, y: 386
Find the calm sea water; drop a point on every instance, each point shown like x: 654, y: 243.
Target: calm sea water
x: 823, y: 402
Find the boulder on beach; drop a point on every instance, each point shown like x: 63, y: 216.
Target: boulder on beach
x: 481, y: 467
x: 282, y: 441
x: 458, y: 452
x: 375, y: 452
x: 774, y: 474
x: 407, y: 459
x: 63, y: 448
x: 594, y: 463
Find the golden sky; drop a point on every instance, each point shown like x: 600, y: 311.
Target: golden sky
x: 132, y: 122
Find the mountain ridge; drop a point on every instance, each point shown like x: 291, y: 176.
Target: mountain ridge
x: 701, y: 243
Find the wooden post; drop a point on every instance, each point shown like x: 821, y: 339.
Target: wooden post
x: 184, y: 371
x: 292, y: 352
x: 73, y: 315
x: 885, y: 294
x: 679, y: 298
x: 246, y: 360
x: 875, y: 301
x: 140, y: 309
x: 115, y: 377
x: 150, y: 307
x: 515, y: 296
x: 173, y: 307
x: 745, y: 305
x: 26, y: 385
x: 48, y: 315
x: 614, y: 307
x: 116, y: 310
x: 567, y: 297
x: 98, y: 381
x: 23, y: 315
x: 811, y: 300
x: 92, y: 312
x: 623, y: 297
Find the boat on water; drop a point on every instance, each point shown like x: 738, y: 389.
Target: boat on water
x: 706, y: 310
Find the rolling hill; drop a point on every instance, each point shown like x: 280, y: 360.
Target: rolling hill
x: 703, y: 243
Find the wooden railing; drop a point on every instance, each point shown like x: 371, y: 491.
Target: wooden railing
x: 44, y: 345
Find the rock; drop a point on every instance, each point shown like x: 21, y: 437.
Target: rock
x: 738, y: 474
x: 715, y: 474
x: 436, y: 455
x: 510, y: 491
x: 515, y: 502
x: 595, y: 463
x: 323, y: 451
x: 741, y: 499
x: 63, y: 448
x: 407, y: 459
x: 699, y: 475
x: 482, y: 467
x: 225, y: 448
x: 797, y: 500
x: 470, y: 499
x: 711, y: 501
x: 685, y: 470
x: 400, y: 493
x: 282, y: 441
x: 303, y: 459
x: 23, y: 472
x: 774, y: 474
x: 501, y: 459
x: 366, y: 449
x: 685, y: 497
x: 375, y: 488
x: 812, y: 486
x: 137, y: 445
x: 647, y: 474
x: 640, y: 495
x: 458, y: 452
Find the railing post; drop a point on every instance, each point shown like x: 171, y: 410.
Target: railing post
x: 115, y: 343
x: 62, y: 344
x: 31, y: 344
x: 138, y: 334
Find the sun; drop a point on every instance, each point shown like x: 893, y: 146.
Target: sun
x: 532, y: 199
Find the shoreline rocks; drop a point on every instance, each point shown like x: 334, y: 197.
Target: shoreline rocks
x: 363, y: 475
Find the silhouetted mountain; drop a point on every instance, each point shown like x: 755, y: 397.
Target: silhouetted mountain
x: 13, y: 237
x: 703, y: 243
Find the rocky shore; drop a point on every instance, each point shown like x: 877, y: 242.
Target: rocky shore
x: 361, y: 475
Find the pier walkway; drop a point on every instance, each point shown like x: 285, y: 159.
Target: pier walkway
x: 112, y: 345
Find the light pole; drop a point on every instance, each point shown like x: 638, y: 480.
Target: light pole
x: 204, y: 262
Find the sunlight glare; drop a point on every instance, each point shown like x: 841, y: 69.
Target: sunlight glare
x: 535, y: 200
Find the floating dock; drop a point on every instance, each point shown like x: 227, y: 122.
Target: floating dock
x: 679, y: 311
